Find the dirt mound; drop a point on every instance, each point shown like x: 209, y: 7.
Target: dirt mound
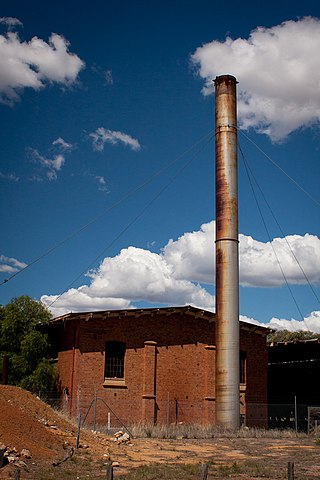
x: 26, y: 422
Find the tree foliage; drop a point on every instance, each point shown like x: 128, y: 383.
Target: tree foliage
x: 25, y: 345
x: 287, y: 336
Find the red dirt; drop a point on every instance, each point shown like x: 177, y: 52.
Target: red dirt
x: 27, y: 422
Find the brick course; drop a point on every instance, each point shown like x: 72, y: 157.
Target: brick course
x: 169, y: 365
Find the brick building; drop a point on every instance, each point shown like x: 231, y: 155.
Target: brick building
x: 154, y: 365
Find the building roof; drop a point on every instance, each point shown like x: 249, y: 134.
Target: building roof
x: 138, y: 312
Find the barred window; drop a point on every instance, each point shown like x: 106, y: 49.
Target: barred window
x: 114, y: 360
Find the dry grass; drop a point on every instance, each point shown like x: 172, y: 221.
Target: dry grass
x: 206, y: 432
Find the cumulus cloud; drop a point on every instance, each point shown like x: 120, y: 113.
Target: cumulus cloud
x: 174, y: 276
x: 10, y: 22
x: 259, y: 266
x: 34, y: 64
x: 133, y: 275
x: 102, y: 136
x: 10, y: 265
x: 192, y: 257
x: 309, y: 323
x: 278, y: 70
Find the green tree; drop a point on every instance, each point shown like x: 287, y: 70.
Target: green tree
x: 287, y: 336
x: 26, y: 346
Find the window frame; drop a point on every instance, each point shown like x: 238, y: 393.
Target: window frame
x: 114, y: 362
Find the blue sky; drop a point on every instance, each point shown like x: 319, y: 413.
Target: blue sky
x: 107, y: 121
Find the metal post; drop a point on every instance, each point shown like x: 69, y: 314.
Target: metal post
x: 78, y: 433
x: 290, y: 471
x: 227, y: 256
x: 204, y: 471
x: 296, y: 414
x: 168, y: 413
x: 109, y: 473
x: 109, y: 422
x: 95, y: 412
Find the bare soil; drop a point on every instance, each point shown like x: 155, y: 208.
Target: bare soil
x: 27, y: 422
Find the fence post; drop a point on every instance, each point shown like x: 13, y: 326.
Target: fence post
x: 16, y: 474
x: 203, y: 471
x: 168, y: 413
x: 296, y: 414
x: 109, y: 475
x: 95, y: 412
x: 109, y: 422
x: 78, y: 434
x: 290, y: 471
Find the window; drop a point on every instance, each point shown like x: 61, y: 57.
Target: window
x: 243, y: 361
x: 114, y: 360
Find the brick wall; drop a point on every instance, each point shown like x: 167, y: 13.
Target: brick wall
x: 169, y: 368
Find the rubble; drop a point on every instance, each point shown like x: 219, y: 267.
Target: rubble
x: 121, y: 437
x: 25, y: 453
x: 11, y: 455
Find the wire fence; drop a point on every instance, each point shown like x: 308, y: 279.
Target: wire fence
x: 113, y: 414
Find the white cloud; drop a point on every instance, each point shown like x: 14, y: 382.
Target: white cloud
x: 102, y: 136
x: 259, y: 266
x: 192, y: 257
x: 309, y: 323
x: 278, y: 70
x: 62, y: 144
x: 75, y: 300
x: 10, y: 265
x: 105, y: 74
x: 102, y: 184
x: 173, y: 276
x: 108, y: 78
x: 135, y: 274
x: 34, y: 64
x: 10, y: 22
x: 50, y: 166
x: 9, y: 176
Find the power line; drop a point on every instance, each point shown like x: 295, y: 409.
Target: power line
x: 248, y: 169
x: 280, y: 168
x: 109, y: 209
x: 269, y: 236
x: 136, y: 218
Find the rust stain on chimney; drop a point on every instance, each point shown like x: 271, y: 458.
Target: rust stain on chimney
x: 227, y: 269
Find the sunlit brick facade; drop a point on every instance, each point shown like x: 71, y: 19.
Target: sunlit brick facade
x: 164, y: 371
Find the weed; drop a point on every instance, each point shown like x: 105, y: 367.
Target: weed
x: 207, y: 431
